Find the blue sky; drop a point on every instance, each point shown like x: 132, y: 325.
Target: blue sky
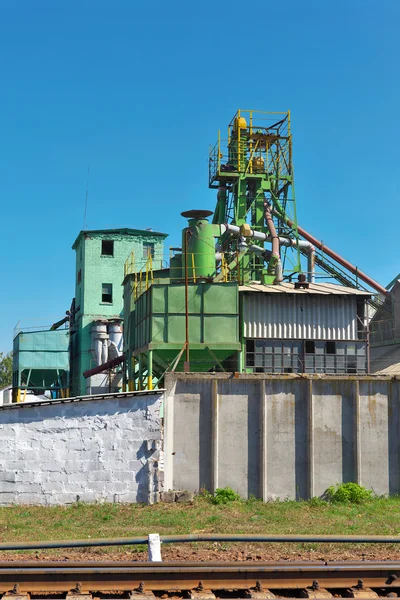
x: 138, y: 90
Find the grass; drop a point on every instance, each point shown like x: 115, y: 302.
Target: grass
x: 84, y: 521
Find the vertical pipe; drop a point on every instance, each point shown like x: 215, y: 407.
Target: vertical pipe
x: 187, y: 362
x: 311, y: 264
x: 150, y: 370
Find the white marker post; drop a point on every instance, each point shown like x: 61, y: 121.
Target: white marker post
x: 154, y: 547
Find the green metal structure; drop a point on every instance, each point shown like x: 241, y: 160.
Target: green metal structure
x: 156, y: 337
x: 41, y: 363
x: 249, y: 168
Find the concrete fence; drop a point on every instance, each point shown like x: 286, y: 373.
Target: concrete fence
x: 281, y: 436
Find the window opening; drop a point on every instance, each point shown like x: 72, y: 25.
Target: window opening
x: 331, y: 347
x: 310, y: 347
x: 107, y: 248
x: 106, y: 293
x: 148, y: 249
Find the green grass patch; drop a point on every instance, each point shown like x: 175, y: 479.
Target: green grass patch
x: 378, y: 516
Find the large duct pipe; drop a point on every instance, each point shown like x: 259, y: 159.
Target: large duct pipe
x: 104, y: 367
x: 275, y: 257
x: 283, y: 241
x: 339, y: 259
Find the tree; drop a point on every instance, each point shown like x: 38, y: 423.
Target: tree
x: 6, y: 369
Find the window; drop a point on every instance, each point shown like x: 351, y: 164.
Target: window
x: 148, y: 249
x: 107, y: 247
x: 331, y: 347
x: 310, y: 347
x: 106, y: 293
x: 79, y: 276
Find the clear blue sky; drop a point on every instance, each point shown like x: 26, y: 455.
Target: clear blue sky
x: 138, y: 90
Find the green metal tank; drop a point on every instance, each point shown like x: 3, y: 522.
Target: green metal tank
x: 200, y: 251
x: 175, y: 266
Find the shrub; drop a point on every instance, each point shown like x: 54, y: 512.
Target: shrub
x: 225, y: 495
x: 351, y: 493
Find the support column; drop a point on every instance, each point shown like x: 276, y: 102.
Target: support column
x: 132, y: 384
x: 357, y: 433
x: 140, y: 382
x: 263, y: 443
x: 215, y: 436
x: 311, y: 491
x: 150, y: 370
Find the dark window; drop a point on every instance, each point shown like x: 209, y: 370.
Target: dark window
x: 250, y: 353
x: 331, y: 347
x: 309, y: 347
x: 79, y: 276
x: 148, y: 249
x: 106, y: 293
x: 107, y: 248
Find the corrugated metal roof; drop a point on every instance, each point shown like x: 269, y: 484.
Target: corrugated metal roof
x: 385, y: 360
x: 314, y: 288
x: 301, y: 317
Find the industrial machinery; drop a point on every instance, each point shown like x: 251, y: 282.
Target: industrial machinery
x: 253, y: 173
x: 214, y: 307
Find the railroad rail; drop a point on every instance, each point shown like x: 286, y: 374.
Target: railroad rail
x: 198, y: 581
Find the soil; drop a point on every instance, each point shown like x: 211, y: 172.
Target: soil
x: 216, y: 552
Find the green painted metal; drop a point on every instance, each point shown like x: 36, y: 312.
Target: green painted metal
x: 200, y: 252
x: 41, y: 360
x: 158, y: 324
x: 253, y: 166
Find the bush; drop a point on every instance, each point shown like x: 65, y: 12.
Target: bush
x: 350, y: 493
x: 225, y: 495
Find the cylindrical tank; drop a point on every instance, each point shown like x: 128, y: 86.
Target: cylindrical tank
x: 99, y: 337
x: 115, y: 334
x: 200, y: 250
x: 175, y: 267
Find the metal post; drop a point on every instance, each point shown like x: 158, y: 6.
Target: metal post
x: 150, y: 370
x: 186, y: 366
x: 140, y: 372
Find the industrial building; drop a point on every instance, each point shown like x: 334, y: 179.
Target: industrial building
x: 248, y: 291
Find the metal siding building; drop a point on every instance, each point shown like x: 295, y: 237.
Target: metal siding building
x: 305, y: 318
x: 314, y: 330
x: 321, y: 312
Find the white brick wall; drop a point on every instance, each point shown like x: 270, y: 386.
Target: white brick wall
x: 97, y: 450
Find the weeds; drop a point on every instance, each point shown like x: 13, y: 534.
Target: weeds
x: 348, y: 493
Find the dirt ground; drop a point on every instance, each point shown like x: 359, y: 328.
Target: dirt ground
x: 218, y: 552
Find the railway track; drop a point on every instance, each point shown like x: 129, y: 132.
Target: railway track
x: 198, y: 581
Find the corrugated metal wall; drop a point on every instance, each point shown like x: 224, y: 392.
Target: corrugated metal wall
x: 298, y: 316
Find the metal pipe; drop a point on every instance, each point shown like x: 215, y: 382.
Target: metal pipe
x: 187, y: 362
x: 275, y: 257
x: 210, y: 537
x: 59, y: 323
x: 105, y: 366
x: 310, y: 238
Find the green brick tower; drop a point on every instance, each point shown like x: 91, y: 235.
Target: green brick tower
x: 100, y: 259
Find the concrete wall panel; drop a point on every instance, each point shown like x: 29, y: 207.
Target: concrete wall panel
x: 284, y: 436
